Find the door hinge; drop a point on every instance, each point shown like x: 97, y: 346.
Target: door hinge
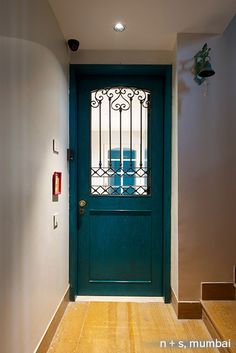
x: 70, y: 154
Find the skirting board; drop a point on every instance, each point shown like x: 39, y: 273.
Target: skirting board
x: 186, y: 309
x: 217, y: 291
x: 53, y: 325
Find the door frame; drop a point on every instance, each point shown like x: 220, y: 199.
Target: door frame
x: 163, y: 71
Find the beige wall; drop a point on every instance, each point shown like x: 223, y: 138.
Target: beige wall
x: 122, y: 57
x: 206, y: 164
x: 33, y: 111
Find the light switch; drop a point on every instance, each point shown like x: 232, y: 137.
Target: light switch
x: 55, y: 146
x: 55, y: 221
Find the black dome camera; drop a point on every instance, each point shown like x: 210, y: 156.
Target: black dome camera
x: 73, y: 44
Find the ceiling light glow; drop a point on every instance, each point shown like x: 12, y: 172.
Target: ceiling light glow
x: 119, y: 27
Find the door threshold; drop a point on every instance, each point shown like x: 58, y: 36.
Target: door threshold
x: 87, y: 298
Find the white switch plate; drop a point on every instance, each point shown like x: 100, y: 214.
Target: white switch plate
x: 55, y: 220
x: 55, y: 146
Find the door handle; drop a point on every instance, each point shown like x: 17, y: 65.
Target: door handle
x: 82, y: 204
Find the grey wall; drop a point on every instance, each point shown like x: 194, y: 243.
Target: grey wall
x: 206, y: 164
x: 33, y: 111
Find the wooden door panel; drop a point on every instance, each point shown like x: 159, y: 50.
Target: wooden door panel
x: 121, y: 239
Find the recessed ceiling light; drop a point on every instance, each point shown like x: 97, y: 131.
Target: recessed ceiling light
x: 119, y: 27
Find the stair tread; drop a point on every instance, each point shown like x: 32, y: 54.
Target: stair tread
x: 222, y: 314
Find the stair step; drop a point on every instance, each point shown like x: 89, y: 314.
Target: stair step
x: 220, y: 318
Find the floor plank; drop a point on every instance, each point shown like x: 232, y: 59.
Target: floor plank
x: 108, y: 327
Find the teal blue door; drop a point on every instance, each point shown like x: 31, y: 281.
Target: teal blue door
x: 119, y: 185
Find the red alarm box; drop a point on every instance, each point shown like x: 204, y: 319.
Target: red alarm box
x: 56, y: 183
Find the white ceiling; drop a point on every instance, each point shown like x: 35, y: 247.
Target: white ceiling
x: 151, y: 24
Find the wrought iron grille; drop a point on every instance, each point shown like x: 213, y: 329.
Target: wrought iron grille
x: 119, y: 148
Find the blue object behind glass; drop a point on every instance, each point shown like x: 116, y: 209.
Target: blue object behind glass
x: 126, y: 179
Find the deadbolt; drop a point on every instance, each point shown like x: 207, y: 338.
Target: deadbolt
x: 82, y: 203
x: 81, y: 211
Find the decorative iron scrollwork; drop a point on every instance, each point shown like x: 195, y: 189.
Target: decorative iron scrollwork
x: 119, y: 190
x: 120, y: 100
x: 121, y: 97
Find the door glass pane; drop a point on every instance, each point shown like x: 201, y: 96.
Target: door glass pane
x: 119, y: 142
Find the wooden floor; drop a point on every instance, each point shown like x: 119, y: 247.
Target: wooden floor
x: 222, y: 314
x: 124, y: 328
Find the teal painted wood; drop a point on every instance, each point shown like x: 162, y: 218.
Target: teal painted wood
x: 167, y: 186
x: 73, y: 191
x: 150, y: 282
